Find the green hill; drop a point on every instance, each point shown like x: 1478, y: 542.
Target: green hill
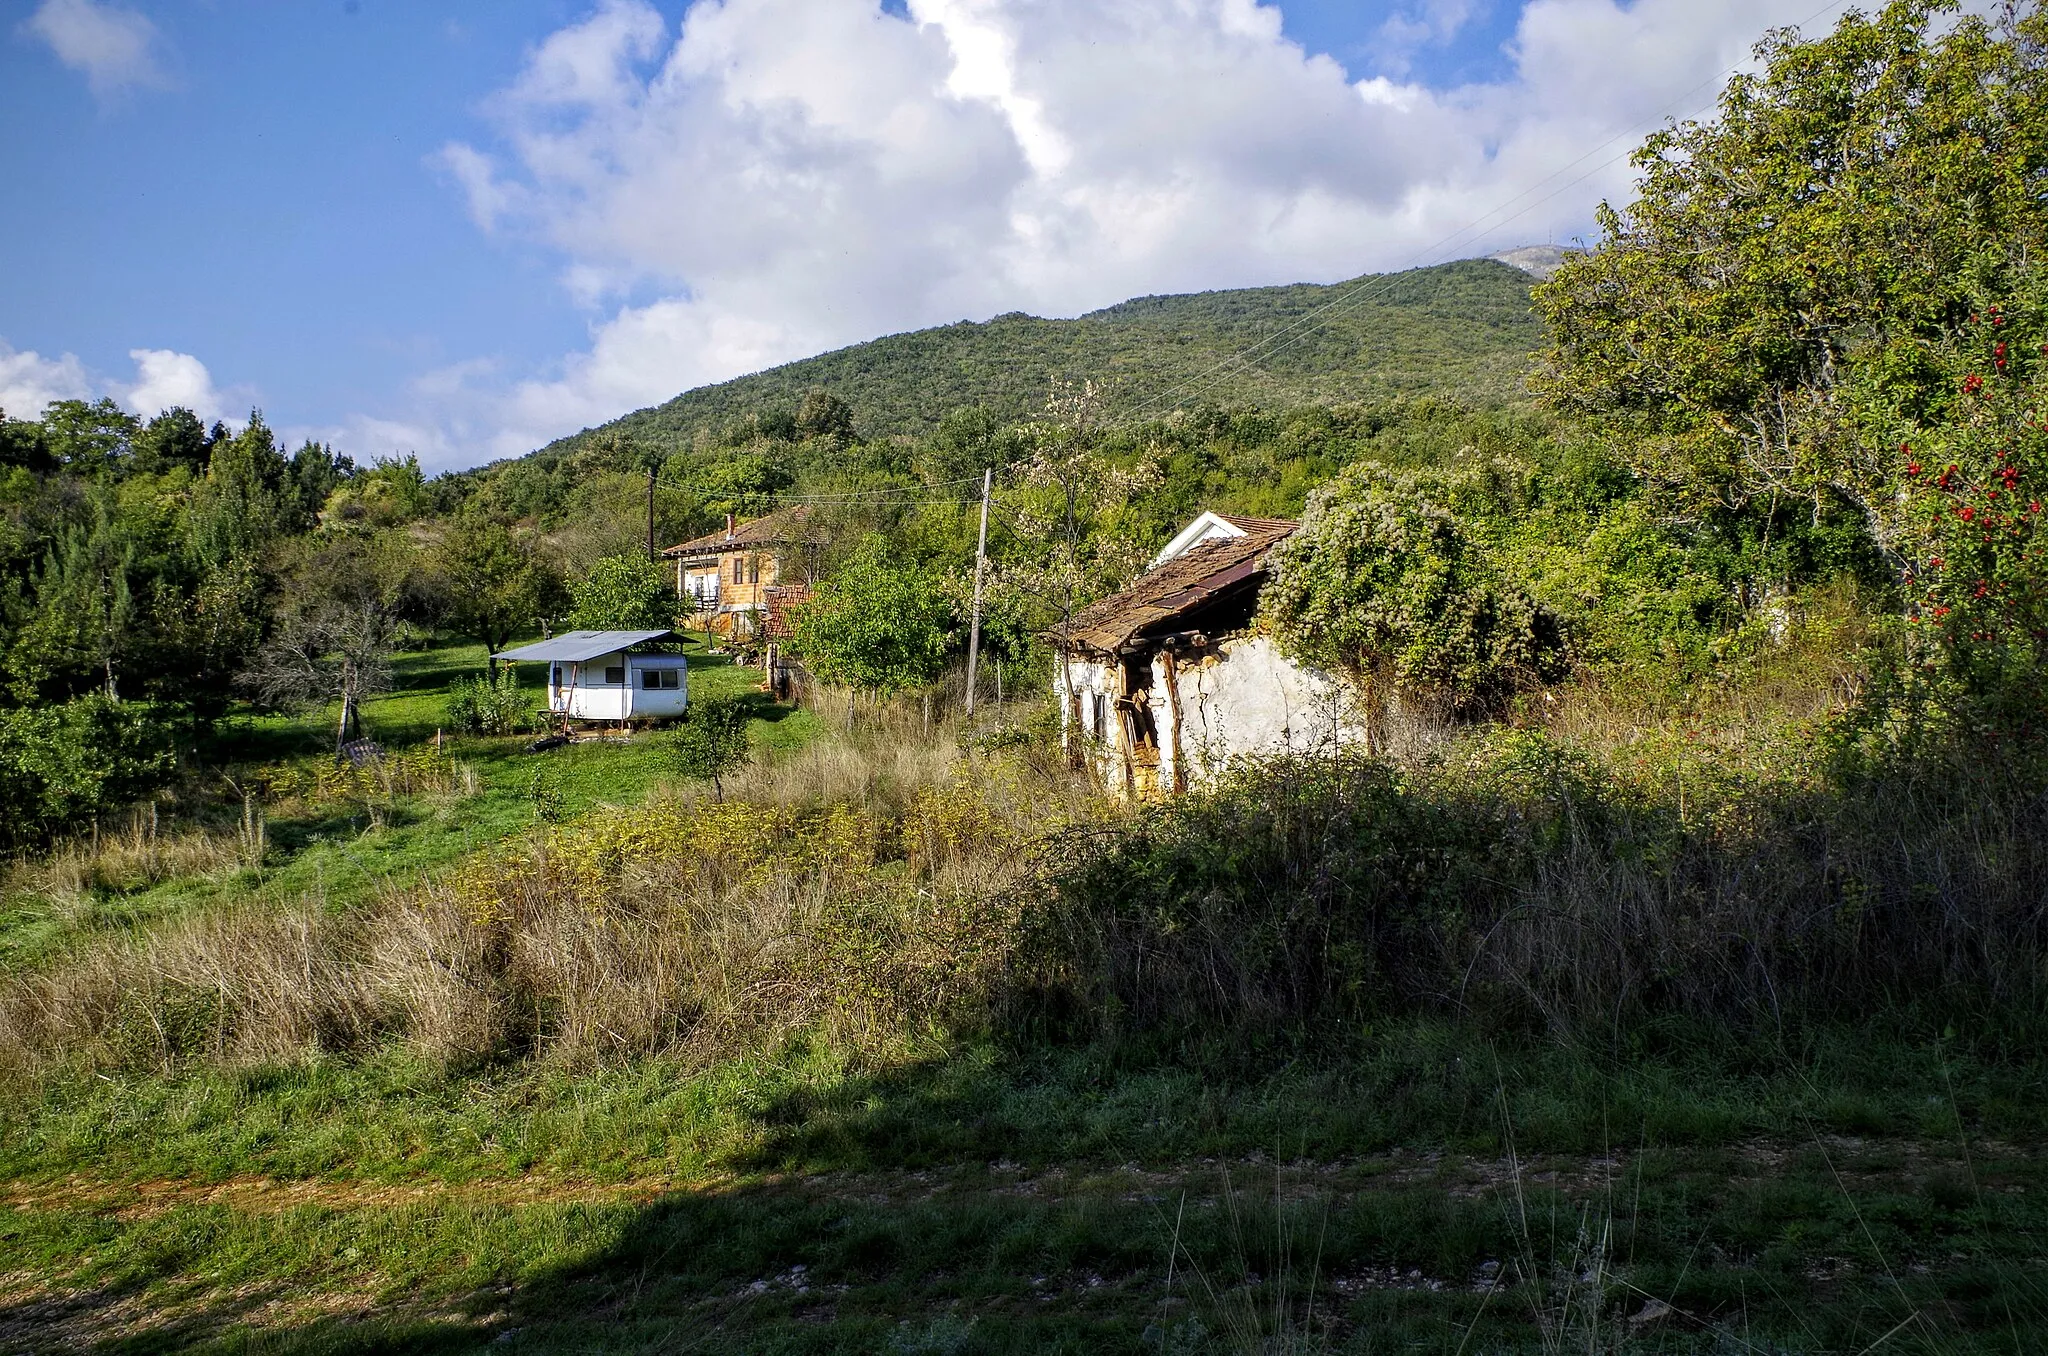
x: 1462, y: 329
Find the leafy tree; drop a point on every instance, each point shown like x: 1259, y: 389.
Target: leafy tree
x: 623, y: 593
x: 1799, y: 262
x: 61, y: 764
x: 175, y: 438
x: 196, y: 642
x: 316, y: 472
x: 491, y: 587
x: 402, y: 482
x: 241, y: 505
x: 80, y: 616
x: 744, y: 485
x: 824, y: 415
x: 343, y: 600
x: 878, y: 624
x: 22, y: 443
x: 1387, y: 582
x: 88, y: 436
x: 1079, y: 532
x: 710, y: 742
x: 1971, y: 522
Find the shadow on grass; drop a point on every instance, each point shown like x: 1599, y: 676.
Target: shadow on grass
x: 881, y: 1212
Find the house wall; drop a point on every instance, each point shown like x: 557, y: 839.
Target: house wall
x: 726, y: 582
x: 1246, y: 698
x: 748, y: 596
x: 1094, y: 693
x: 1241, y: 698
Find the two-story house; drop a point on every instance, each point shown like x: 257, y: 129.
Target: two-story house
x: 725, y: 577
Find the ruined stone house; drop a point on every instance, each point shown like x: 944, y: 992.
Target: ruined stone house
x: 1165, y: 683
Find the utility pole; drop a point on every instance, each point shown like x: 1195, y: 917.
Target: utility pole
x: 980, y: 568
x: 650, y: 513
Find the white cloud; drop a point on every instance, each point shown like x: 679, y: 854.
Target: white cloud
x: 117, y: 49
x: 163, y: 378
x: 29, y: 381
x: 1428, y: 24
x: 786, y: 176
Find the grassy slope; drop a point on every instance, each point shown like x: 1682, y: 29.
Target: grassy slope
x: 1462, y: 329
x: 989, y: 1202
x: 336, y: 855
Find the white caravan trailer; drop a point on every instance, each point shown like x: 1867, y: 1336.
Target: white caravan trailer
x: 610, y: 675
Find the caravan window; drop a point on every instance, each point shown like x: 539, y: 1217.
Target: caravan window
x: 657, y: 680
x: 615, y: 676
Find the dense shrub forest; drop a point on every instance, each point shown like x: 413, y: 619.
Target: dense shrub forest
x: 1666, y: 971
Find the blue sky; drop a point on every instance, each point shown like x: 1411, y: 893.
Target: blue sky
x: 460, y: 229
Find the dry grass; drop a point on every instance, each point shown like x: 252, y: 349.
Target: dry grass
x: 136, y: 856
x: 860, y: 889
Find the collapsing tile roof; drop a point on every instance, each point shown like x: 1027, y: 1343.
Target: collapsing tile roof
x: 1196, y: 576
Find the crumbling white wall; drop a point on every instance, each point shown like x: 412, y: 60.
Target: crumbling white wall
x: 1094, y: 687
x: 1246, y: 698
x: 1242, y: 698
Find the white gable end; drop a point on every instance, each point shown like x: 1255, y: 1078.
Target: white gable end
x: 1209, y: 527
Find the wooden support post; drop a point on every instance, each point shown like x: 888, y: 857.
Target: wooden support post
x: 1180, y: 770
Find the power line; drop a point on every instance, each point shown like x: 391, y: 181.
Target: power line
x: 918, y: 492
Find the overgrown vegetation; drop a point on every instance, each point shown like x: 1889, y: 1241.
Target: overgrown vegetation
x: 1666, y: 975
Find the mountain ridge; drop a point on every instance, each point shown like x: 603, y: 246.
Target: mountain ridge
x: 1463, y: 329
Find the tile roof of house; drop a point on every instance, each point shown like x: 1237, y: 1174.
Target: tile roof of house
x: 771, y: 529
x: 1193, y: 577
x: 1281, y: 525
x: 781, y: 599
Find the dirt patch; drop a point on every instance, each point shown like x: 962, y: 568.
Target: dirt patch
x: 1200, y: 1180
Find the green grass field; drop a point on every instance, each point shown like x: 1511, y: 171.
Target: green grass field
x: 979, y: 1199
x: 1415, y: 1186
x: 338, y: 854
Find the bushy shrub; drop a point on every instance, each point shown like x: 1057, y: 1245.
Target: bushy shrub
x: 623, y: 593
x: 710, y: 742
x: 1387, y: 581
x: 62, y: 764
x: 490, y: 706
x: 1524, y: 882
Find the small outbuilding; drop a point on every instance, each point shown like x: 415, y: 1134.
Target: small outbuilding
x: 610, y: 675
x: 1168, y: 681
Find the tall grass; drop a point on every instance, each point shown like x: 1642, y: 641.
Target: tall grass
x: 1522, y: 881
x: 875, y: 889
x: 863, y: 891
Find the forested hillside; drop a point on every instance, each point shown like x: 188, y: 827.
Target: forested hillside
x: 1461, y: 329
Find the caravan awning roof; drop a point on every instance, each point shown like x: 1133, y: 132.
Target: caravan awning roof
x: 579, y: 645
